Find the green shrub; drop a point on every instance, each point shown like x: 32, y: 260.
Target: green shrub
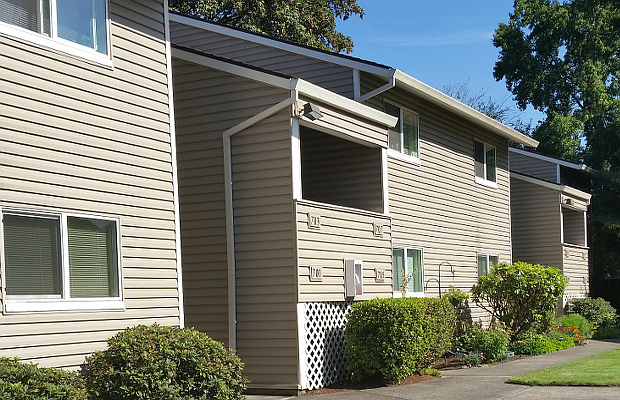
x: 538, y: 343
x: 576, y: 320
x: 455, y: 295
x: 21, y: 381
x: 393, y: 338
x: 521, y: 295
x: 490, y: 343
x: 598, y: 312
x: 606, y: 333
x: 160, y: 362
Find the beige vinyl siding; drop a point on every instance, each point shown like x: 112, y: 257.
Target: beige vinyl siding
x: 264, y: 251
x: 576, y: 269
x: 536, y: 224
x: 79, y: 138
x: 344, y: 234
x: 336, y: 78
x: 538, y: 168
x: 207, y: 103
x: 436, y: 205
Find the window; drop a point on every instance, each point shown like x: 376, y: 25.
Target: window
x: 66, y: 22
x: 485, y: 262
x: 485, y: 162
x: 404, y: 137
x: 409, y: 261
x: 59, y: 258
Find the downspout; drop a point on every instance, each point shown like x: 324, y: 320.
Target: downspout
x: 391, y: 83
x: 230, y: 228
x: 175, y: 176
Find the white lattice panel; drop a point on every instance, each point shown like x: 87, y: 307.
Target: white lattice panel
x: 324, y: 339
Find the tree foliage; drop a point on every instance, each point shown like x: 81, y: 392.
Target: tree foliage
x: 307, y: 22
x: 563, y: 58
x: 521, y: 295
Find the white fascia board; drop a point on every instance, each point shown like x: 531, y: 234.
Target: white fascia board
x: 349, y: 62
x: 231, y: 68
x: 433, y: 95
x: 571, y: 191
x: 344, y: 103
x: 568, y: 164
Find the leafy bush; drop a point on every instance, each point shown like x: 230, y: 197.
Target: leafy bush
x: 490, y: 343
x: 597, y: 311
x: 538, y: 343
x: 20, y: 381
x: 606, y: 333
x: 520, y: 295
x: 577, y: 321
x: 455, y: 295
x: 160, y: 362
x: 393, y: 338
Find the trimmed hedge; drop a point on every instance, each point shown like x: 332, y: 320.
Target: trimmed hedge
x: 164, y: 363
x: 393, y: 338
x: 21, y: 381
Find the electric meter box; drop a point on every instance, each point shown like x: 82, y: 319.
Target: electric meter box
x: 353, y: 278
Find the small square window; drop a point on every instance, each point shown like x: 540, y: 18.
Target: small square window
x: 407, y: 263
x: 485, y: 162
x: 404, y: 137
x: 61, y: 257
x: 485, y: 262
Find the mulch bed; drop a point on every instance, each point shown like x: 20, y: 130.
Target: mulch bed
x: 441, y: 364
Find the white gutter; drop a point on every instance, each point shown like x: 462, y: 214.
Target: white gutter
x: 436, y: 97
x: 230, y: 227
x: 175, y: 176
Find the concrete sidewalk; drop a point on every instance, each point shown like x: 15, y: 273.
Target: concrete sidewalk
x: 487, y: 382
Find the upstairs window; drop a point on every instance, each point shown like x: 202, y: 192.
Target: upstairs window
x: 404, y: 137
x: 485, y: 262
x: 59, y: 258
x: 485, y: 161
x: 407, y: 264
x: 70, y: 22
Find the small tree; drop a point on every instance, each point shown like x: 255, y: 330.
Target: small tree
x: 522, y: 295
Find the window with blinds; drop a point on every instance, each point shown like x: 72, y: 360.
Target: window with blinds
x: 39, y: 265
x: 82, y: 22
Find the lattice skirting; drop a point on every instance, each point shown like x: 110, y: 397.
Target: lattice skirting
x: 323, y: 338
x: 569, y: 296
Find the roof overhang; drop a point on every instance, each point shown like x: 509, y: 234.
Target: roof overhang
x: 568, y: 190
x: 288, y: 83
x: 564, y: 163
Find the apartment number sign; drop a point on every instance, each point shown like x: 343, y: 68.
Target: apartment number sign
x: 314, y: 221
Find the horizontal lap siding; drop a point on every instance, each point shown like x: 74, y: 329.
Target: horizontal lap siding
x: 343, y: 235
x: 534, y: 167
x: 85, y: 139
x: 264, y: 252
x: 576, y: 269
x: 536, y: 224
x: 437, y: 205
x: 336, y: 78
x: 207, y: 103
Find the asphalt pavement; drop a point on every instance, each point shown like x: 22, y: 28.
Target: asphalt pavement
x: 486, y: 382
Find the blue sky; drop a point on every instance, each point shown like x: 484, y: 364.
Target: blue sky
x: 439, y: 42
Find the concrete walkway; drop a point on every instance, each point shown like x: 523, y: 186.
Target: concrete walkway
x: 487, y: 382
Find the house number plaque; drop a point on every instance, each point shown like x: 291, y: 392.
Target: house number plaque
x: 377, y: 229
x: 314, y: 221
x: 316, y: 273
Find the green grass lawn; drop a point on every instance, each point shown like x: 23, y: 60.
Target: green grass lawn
x: 599, y: 370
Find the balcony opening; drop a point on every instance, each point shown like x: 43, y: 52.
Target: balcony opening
x: 574, y: 227
x: 340, y: 172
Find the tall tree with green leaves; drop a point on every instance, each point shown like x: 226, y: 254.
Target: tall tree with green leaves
x: 563, y: 58
x: 307, y: 22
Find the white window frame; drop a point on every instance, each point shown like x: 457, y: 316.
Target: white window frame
x: 24, y: 304
x: 483, y: 179
x: 399, y: 153
x: 398, y: 293
x: 488, y: 262
x: 62, y: 45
